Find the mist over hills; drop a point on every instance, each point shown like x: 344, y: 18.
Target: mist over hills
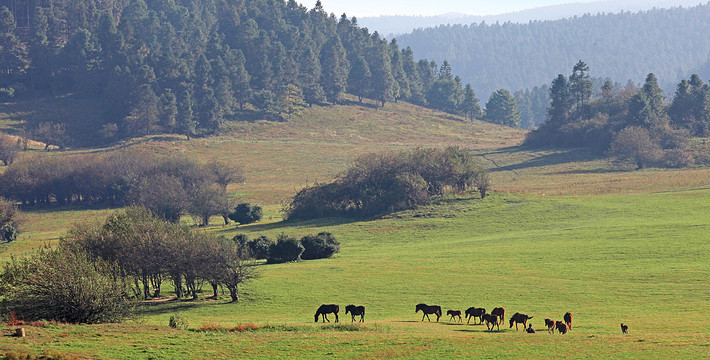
x: 672, y: 43
x: 402, y: 24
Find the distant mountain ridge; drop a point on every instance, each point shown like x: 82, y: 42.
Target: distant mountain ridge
x: 391, y: 26
x: 672, y: 43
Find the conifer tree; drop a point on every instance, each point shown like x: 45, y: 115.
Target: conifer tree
x: 185, y: 120
x: 502, y: 109
x: 382, y: 80
x: 360, y: 78
x: 469, y: 106
x: 581, y: 88
x: 334, y: 69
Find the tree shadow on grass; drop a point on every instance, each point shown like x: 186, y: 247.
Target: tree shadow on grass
x: 159, y: 308
x: 556, y: 158
x: 285, y: 224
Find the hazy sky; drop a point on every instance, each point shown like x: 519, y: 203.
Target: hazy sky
x: 360, y: 8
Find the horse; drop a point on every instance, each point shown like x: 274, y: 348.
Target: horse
x: 429, y: 309
x: 624, y: 329
x: 550, y: 326
x: 499, y: 312
x: 454, y: 314
x: 473, y: 312
x: 327, y: 309
x: 491, y: 320
x: 355, y: 310
x: 519, y: 318
x: 568, y: 320
x: 561, y: 327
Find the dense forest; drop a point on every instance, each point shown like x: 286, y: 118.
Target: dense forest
x: 671, y: 43
x: 188, y: 66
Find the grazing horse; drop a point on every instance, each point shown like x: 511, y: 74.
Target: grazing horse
x: 427, y: 309
x: 474, y: 312
x: 454, y: 314
x: 327, y: 309
x: 550, y: 326
x: 624, y: 329
x: 568, y: 320
x: 561, y: 327
x: 491, y: 320
x: 499, y: 312
x: 354, y: 311
x: 519, y: 318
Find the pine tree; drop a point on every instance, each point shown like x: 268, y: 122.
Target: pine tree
x: 469, y: 106
x: 560, y: 102
x: 502, y: 109
x: 403, y: 89
x: 309, y: 76
x: 185, y: 120
x: 14, y: 59
x: 168, y: 110
x: 581, y: 88
x: 360, y: 77
x: 334, y: 69
x: 382, y: 80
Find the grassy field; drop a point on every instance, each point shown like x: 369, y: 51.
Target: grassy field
x: 564, y: 231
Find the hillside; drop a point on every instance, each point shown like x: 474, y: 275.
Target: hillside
x: 564, y: 231
x: 402, y: 24
x: 668, y: 42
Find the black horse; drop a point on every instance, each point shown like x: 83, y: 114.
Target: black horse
x: 427, y: 309
x: 356, y: 310
x: 327, y: 309
x: 519, y: 318
x: 474, y: 312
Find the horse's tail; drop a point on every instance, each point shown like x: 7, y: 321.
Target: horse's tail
x: 530, y: 317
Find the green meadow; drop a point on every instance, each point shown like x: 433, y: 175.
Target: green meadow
x: 564, y: 230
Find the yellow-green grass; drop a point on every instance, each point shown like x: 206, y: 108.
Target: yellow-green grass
x: 565, y: 231
x: 640, y: 259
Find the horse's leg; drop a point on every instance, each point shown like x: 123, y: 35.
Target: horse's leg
x: 336, y: 317
x: 325, y: 316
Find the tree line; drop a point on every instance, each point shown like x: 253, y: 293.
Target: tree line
x: 170, y: 186
x: 385, y: 182
x: 187, y: 66
x: 631, y: 123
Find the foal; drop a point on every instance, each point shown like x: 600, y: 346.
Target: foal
x: 454, y: 314
x: 354, y: 311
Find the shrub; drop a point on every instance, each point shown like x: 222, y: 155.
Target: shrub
x: 246, y: 213
x: 9, y: 147
x: 67, y: 286
x: 320, y: 246
x: 260, y: 247
x: 285, y: 249
x: 9, y: 221
x: 177, y: 322
x: 635, y: 144
x: 677, y: 158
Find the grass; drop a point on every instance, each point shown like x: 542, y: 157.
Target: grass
x: 566, y: 230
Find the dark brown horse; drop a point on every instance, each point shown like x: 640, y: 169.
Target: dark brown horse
x: 568, y: 320
x: 454, y: 314
x: 624, y: 329
x: 561, y: 327
x: 429, y: 309
x: 354, y: 311
x: 491, y: 321
x: 519, y: 318
x: 474, y: 312
x: 327, y: 309
x: 550, y: 325
x: 499, y: 312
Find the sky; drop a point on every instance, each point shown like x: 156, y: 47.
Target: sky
x: 362, y: 8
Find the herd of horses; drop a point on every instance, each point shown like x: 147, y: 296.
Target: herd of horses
x: 492, y: 319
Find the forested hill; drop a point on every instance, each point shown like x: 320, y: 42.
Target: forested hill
x: 189, y: 66
x: 671, y: 43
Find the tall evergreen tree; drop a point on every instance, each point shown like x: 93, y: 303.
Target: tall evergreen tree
x: 185, y: 120
x: 502, y: 109
x: 382, y: 80
x: 581, y: 89
x: 560, y: 102
x: 14, y: 59
x: 334, y: 69
x: 469, y: 106
x: 360, y: 78
x: 309, y: 76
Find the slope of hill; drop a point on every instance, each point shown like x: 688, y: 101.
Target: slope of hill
x: 670, y: 43
x: 402, y: 24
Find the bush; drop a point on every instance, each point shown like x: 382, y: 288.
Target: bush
x: 677, y: 158
x: 9, y: 221
x: 177, y: 322
x: 260, y: 247
x: 246, y: 213
x: 67, y: 286
x: 285, y: 249
x: 635, y: 144
x: 320, y: 246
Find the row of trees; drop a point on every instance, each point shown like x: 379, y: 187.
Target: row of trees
x: 575, y: 118
x: 185, y: 66
x: 168, y: 186
x: 381, y: 183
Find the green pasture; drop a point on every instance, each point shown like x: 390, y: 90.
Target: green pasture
x: 641, y: 259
